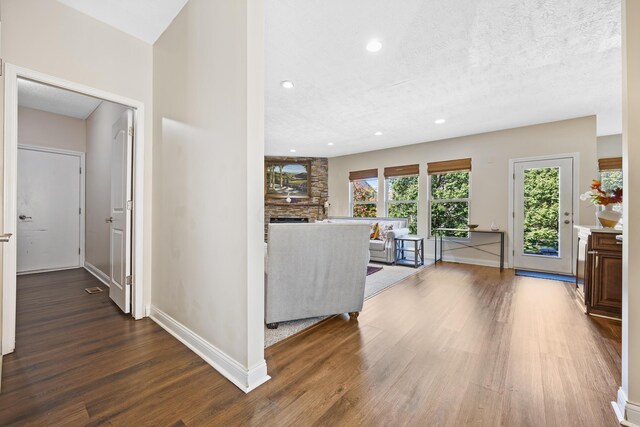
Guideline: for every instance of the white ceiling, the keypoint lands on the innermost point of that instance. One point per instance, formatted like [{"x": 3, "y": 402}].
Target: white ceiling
[
  {"x": 483, "y": 65},
  {"x": 144, "y": 19},
  {"x": 55, "y": 100}
]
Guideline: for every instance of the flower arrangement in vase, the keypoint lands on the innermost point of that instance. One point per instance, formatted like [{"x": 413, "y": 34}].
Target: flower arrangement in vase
[{"x": 605, "y": 197}]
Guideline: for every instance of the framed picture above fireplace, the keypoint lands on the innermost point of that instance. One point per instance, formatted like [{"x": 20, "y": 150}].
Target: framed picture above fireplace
[{"x": 287, "y": 178}]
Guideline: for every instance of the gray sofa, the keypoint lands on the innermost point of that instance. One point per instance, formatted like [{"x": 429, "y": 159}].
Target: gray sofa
[
  {"x": 315, "y": 270},
  {"x": 380, "y": 250}
]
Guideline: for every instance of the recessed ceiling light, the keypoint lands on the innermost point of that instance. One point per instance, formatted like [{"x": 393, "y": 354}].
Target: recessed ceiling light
[
  {"x": 293, "y": 150},
  {"x": 330, "y": 144},
  {"x": 378, "y": 133},
  {"x": 287, "y": 84},
  {"x": 439, "y": 121},
  {"x": 374, "y": 46}
]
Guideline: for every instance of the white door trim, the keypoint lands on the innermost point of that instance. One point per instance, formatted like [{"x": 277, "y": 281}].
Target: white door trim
[
  {"x": 576, "y": 196},
  {"x": 81, "y": 155},
  {"x": 12, "y": 73}
]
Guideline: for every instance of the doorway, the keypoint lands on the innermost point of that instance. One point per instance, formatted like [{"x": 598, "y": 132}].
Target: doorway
[
  {"x": 131, "y": 184},
  {"x": 543, "y": 214},
  {"x": 50, "y": 234}
]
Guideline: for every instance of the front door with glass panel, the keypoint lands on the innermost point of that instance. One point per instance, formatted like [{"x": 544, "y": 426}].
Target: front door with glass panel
[{"x": 543, "y": 215}]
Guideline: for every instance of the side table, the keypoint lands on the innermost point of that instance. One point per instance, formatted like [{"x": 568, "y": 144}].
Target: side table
[{"x": 403, "y": 246}]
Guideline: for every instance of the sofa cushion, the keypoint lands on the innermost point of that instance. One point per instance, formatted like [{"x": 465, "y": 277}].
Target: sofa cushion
[
  {"x": 395, "y": 224},
  {"x": 384, "y": 228},
  {"x": 376, "y": 245}
]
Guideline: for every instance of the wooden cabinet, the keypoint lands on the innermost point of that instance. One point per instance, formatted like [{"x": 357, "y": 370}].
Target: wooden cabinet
[{"x": 599, "y": 271}]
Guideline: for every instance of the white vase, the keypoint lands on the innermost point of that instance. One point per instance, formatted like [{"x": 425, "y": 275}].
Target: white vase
[{"x": 607, "y": 217}]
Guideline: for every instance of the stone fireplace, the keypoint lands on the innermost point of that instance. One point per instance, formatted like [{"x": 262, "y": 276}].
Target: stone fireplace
[{"x": 301, "y": 210}]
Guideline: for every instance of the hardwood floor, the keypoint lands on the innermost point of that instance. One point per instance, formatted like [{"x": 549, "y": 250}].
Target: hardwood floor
[{"x": 452, "y": 345}]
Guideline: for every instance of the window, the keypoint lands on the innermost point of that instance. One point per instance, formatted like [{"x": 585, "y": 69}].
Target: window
[
  {"x": 611, "y": 178},
  {"x": 364, "y": 193},
  {"x": 611, "y": 175},
  {"x": 401, "y": 187},
  {"x": 449, "y": 196}
]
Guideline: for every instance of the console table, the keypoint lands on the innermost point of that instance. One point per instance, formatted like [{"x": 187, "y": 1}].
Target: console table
[{"x": 440, "y": 234}]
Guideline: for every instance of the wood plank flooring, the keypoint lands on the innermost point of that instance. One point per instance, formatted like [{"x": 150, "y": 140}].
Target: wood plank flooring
[{"x": 452, "y": 345}]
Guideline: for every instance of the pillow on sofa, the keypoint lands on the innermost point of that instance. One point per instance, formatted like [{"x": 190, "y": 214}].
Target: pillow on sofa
[
  {"x": 375, "y": 231},
  {"x": 384, "y": 229}
]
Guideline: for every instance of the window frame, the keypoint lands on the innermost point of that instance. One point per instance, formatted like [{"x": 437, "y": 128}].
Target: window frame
[
  {"x": 353, "y": 203},
  {"x": 387, "y": 202},
  {"x": 619, "y": 207},
  {"x": 431, "y": 200}
]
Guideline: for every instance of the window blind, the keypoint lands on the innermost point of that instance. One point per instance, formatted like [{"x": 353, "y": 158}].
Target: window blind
[
  {"x": 365, "y": 174},
  {"x": 401, "y": 171},
  {"x": 612, "y": 163},
  {"x": 459, "y": 165}
]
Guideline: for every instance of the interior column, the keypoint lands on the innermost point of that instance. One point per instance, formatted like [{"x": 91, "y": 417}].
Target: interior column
[{"x": 628, "y": 400}]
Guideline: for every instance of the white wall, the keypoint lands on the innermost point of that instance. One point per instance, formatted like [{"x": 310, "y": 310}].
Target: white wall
[
  {"x": 609, "y": 146},
  {"x": 629, "y": 395},
  {"x": 98, "y": 183},
  {"x": 490, "y": 153},
  {"x": 1, "y": 210},
  {"x": 51, "y": 38},
  {"x": 49, "y": 130},
  {"x": 208, "y": 181}
]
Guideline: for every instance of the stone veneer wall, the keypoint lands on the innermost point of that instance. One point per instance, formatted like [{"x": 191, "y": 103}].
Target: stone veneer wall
[{"x": 312, "y": 207}]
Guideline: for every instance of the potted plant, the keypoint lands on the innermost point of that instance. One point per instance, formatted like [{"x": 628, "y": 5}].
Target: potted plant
[{"x": 607, "y": 198}]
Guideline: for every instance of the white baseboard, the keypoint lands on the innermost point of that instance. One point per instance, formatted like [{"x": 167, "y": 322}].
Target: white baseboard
[
  {"x": 97, "y": 273},
  {"x": 47, "y": 270},
  {"x": 633, "y": 414},
  {"x": 628, "y": 413},
  {"x": 245, "y": 379}
]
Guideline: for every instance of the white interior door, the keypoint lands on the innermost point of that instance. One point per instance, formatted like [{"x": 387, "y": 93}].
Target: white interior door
[
  {"x": 543, "y": 215},
  {"x": 48, "y": 229},
  {"x": 120, "y": 215}
]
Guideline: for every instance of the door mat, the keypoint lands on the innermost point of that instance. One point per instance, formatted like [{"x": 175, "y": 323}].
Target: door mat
[
  {"x": 372, "y": 269},
  {"x": 94, "y": 290},
  {"x": 548, "y": 276}
]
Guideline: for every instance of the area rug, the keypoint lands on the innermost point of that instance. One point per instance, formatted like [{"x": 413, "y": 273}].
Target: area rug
[
  {"x": 372, "y": 269},
  {"x": 383, "y": 279}
]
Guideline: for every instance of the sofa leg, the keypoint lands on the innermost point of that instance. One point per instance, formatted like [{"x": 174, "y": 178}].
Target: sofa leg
[
  {"x": 272, "y": 325},
  {"x": 354, "y": 315}
]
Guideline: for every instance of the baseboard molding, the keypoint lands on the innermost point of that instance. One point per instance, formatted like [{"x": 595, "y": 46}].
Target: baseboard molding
[
  {"x": 47, "y": 270},
  {"x": 97, "y": 273},
  {"x": 245, "y": 379},
  {"x": 633, "y": 414},
  {"x": 628, "y": 414}
]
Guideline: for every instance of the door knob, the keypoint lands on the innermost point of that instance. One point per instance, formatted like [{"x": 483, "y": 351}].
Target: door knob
[
  {"x": 24, "y": 217},
  {"x": 566, "y": 221},
  {"x": 567, "y": 214},
  {"x": 109, "y": 220}
]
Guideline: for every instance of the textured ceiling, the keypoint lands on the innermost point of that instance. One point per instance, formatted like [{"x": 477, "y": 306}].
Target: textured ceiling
[
  {"x": 144, "y": 19},
  {"x": 483, "y": 65},
  {"x": 55, "y": 100}
]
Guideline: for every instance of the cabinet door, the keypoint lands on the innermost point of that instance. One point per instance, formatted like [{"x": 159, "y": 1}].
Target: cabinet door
[{"x": 606, "y": 292}]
